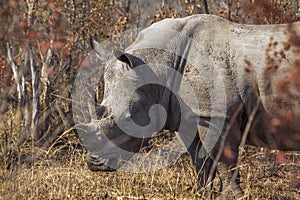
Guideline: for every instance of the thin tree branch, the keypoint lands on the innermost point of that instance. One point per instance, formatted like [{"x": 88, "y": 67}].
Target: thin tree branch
[
  {"x": 245, "y": 135},
  {"x": 35, "y": 74},
  {"x": 15, "y": 72},
  {"x": 205, "y": 7}
]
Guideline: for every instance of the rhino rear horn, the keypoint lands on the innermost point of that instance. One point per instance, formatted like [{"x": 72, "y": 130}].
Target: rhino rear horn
[
  {"x": 129, "y": 59},
  {"x": 101, "y": 50}
]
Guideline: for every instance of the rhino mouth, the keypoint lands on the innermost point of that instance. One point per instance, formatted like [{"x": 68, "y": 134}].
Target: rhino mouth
[{"x": 96, "y": 163}]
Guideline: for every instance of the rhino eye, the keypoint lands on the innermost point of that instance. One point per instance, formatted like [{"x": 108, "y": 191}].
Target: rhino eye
[{"x": 101, "y": 111}]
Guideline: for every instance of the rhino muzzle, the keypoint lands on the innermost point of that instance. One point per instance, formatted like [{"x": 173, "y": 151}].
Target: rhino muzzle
[{"x": 96, "y": 163}]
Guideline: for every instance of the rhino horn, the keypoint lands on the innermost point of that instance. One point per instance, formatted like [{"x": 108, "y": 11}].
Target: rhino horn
[
  {"x": 101, "y": 49},
  {"x": 129, "y": 59}
]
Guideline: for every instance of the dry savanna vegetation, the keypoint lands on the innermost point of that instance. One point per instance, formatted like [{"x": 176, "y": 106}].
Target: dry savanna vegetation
[{"x": 42, "y": 46}]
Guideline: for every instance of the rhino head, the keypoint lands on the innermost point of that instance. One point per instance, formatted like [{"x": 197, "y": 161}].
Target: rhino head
[{"x": 128, "y": 115}]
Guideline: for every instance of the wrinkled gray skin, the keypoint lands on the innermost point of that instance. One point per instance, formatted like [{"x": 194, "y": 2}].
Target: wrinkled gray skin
[{"x": 228, "y": 45}]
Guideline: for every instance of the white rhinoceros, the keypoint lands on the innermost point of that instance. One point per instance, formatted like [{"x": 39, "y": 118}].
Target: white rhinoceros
[{"x": 208, "y": 79}]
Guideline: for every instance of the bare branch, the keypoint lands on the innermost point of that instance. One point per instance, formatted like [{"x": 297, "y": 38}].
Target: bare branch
[
  {"x": 62, "y": 115},
  {"x": 245, "y": 135},
  {"x": 15, "y": 72},
  {"x": 30, "y": 6},
  {"x": 35, "y": 98},
  {"x": 205, "y": 7}
]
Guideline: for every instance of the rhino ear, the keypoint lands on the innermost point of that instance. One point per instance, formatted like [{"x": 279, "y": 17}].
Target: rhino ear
[
  {"x": 123, "y": 57},
  {"x": 129, "y": 59}
]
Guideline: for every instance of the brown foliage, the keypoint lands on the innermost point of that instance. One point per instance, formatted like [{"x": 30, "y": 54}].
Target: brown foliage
[
  {"x": 268, "y": 12},
  {"x": 286, "y": 80}
]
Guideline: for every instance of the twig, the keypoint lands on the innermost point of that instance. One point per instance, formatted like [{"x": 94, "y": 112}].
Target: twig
[
  {"x": 30, "y": 6},
  {"x": 62, "y": 115},
  {"x": 205, "y": 7},
  {"x": 245, "y": 135}
]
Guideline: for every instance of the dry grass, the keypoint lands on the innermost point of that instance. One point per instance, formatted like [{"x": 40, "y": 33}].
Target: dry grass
[
  {"x": 270, "y": 175},
  {"x": 63, "y": 174}
]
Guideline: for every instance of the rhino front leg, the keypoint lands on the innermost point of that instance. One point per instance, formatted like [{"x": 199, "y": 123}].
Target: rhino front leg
[
  {"x": 230, "y": 187},
  {"x": 202, "y": 164}
]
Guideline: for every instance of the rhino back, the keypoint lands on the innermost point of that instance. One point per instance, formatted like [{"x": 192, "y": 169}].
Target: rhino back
[{"x": 222, "y": 45}]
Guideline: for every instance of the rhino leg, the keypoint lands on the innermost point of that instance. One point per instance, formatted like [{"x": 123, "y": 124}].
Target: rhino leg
[
  {"x": 230, "y": 187},
  {"x": 202, "y": 165},
  {"x": 222, "y": 158},
  {"x": 228, "y": 171}
]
